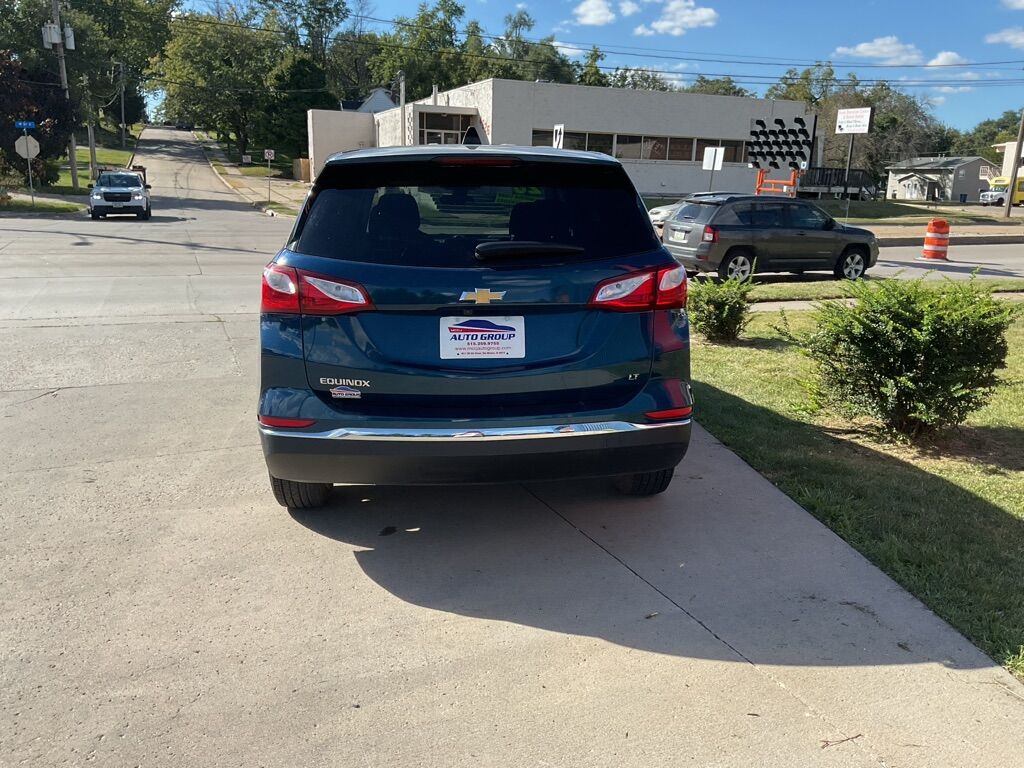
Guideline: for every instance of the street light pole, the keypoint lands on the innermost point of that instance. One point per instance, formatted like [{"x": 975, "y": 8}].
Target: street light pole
[
  {"x": 72, "y": 146},
  {"x": 1012, "y": 189}
]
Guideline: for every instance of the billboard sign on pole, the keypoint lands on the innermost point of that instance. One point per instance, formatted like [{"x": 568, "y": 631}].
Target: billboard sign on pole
[{"x": 853, "y": 120}]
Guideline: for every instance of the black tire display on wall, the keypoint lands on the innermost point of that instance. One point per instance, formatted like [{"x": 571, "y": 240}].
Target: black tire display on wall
[
  {"x": 294, "y": 495},
  {"x": 737, "y": 263},
  {"x": 644, "y": 483},
  {"x": 851, "y": 265}
]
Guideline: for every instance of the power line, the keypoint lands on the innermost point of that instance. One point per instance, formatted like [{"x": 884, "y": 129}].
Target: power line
[{"x": 739, "y": 79}]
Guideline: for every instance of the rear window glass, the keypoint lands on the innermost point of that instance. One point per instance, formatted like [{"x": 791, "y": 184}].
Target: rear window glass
[
  {"x": 738, "y": 215},
  {"x": 699, "y": 212},
  {"x": 425, "y": 214}
]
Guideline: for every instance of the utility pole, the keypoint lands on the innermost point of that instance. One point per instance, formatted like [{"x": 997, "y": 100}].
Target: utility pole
[
  {"x": 72, "y": 146},
  {"x": 121, "y": 65},
  {"x": 1011, "y": 191},
  {"x": 401, "y": 101},
  {"x": 90, "y": 118}
]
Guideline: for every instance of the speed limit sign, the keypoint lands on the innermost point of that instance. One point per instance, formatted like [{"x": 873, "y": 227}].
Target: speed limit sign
[{"x": 268, "y": 154}]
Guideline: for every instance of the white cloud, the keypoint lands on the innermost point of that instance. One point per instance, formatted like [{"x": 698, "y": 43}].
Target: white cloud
[
  {"x": 947, "y": 58},
  {"x": 677, "y": 16},
  {"x": 1011, "y": 36},
  {"x": 886, "y": 50},
  {"x": 521, "y": 6},
  {"x": 937, "y": 101},
  {"x": 569, "y": 49},
  {"x": 1014, "y": 5},
  {"x": 953, "y": 88},
  {"x": 628, "y": 8},
  {"x": 594, "y": 13}
]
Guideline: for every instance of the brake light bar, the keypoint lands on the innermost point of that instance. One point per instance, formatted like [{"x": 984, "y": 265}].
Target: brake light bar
[
  {"x": 482, "y": 160},
  {"x": 287, "y": 290},
  {"x": 642, "y": 291}
]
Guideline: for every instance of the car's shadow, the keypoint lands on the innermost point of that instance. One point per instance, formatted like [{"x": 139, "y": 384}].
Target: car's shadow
[{"x": 730, "y": 567}]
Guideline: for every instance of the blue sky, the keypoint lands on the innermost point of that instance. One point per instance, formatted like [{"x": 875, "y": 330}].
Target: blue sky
[{"x": 908, "y": 38}]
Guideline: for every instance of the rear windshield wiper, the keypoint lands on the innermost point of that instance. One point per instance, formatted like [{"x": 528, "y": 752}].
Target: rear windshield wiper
[{"x": 514, "y": 249}]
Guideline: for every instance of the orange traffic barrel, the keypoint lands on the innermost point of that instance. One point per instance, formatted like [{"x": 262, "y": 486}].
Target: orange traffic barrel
[{"x": 936, "y": 241}]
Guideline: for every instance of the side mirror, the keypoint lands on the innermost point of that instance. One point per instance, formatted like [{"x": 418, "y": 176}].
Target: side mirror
[
  {"x": 830, "y": 224},
  {"x": 90, "y": 186},
  {"x": 148, "y": 186}
]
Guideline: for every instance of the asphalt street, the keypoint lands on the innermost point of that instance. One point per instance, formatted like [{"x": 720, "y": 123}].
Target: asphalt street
[{"x": 159, "y": 608}]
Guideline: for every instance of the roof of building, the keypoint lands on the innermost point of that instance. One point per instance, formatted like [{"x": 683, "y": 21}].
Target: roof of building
[
  {"x": 467, "y": 150},
  {"x": 933, "y": 163}
]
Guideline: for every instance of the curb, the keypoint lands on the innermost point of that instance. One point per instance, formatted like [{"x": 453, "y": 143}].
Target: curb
[{"x": 889, "y": 242}]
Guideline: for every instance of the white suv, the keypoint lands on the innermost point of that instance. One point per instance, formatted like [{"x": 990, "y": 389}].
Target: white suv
[{"x": 120, "y": 192}]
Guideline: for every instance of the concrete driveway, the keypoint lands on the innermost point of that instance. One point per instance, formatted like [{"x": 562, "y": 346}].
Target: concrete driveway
[{"x": 161, "y": 610}]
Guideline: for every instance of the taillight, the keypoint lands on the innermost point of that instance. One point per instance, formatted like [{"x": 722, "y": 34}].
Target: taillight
[
  {"x": 663, "y": 289},
  {"x": 280, "y": 290},
  {"x": 294, "y": 291},
  {"x": 629, "y": 293},
  {"x": 320, "y": 295},
  {"x": 683, "y": 412},
  {"x": 276, "y": 421},
  {"x": 671, "y": 288},
  {"x": 710, "y": 235}
]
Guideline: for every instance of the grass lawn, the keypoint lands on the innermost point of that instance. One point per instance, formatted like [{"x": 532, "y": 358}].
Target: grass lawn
[
  {"x": 945, "y": 520},
  {"x": 18, "y": 205},
  {"x": 773, "y": 289},
  {"x": 287, "y": 210},
  {"x": 874, "y": 211},
  {"x": 280, "y": 166}
]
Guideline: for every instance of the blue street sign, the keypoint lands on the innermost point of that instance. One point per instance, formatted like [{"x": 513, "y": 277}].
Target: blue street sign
[{"x": 24, "y": 125}]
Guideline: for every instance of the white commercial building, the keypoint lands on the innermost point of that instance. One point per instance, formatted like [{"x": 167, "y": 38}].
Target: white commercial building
[{"x": 659, "y": 137}]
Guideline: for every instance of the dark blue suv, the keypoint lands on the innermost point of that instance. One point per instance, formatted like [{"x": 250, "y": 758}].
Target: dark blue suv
[{"x": 472, "y": 314}]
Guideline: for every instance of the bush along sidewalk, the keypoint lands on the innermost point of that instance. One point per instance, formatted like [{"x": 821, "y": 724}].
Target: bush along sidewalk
[
  {"x": 913, "y": 359},
  {"x": 720, "y": 309}
]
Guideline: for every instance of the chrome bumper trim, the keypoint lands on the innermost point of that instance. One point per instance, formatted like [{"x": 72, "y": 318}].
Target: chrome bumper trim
[{"x": 476, "y": 435}]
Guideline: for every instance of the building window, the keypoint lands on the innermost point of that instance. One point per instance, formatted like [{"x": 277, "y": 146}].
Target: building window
[
  {"x": 599, "y": 142},
  {"x": 655, "y": 148},
  {"x": 628, "y": 147},
  {"x": 441, "y": 128},
  {"x": 680, "y": 149},
  {"x": 574, "y": 141},
  {"x": 543, "y": 138},
  {"x": 733, "y": 149}
]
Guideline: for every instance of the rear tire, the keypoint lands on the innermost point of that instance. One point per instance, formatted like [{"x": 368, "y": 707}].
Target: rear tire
[
  {"x": 738, "y": 263},
  {"x": 645, "y": 483},
  {"x": 295, "y": 495},
  {"x": 851, "y": 265}
]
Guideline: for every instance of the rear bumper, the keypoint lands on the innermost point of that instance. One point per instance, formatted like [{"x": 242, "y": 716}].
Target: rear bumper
[{"x": 446, "y": 456}]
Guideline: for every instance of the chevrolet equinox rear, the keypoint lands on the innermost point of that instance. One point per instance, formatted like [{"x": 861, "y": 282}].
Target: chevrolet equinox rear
[{"x": 448, "y": 315}]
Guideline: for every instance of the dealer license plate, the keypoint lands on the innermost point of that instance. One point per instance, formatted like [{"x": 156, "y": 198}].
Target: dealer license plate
[{"x": 468, "y": 338}]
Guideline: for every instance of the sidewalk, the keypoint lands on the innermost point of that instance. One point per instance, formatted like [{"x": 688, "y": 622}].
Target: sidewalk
[{"x": 285, "y": 196}]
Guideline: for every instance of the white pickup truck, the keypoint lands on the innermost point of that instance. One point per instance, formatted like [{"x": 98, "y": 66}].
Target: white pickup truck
[{"x": 120, "y": 192}]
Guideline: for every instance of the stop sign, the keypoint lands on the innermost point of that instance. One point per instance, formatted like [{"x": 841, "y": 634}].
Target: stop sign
[{"x": 26, "y": 146}]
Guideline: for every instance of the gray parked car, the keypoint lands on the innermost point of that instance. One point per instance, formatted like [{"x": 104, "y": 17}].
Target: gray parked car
[
  {"x": 120, "y": 192},
  {"x": 731, "y": 233}
]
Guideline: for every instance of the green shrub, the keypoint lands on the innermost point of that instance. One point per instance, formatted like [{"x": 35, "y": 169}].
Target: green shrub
[
  {"x": 720, "y": 309},
  {"x": 915, "y": 359}
]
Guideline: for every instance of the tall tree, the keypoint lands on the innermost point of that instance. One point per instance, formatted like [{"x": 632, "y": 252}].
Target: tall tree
[
  {"x": 717, "y": 86},
  {"x": 639, "y": 79},
  {"x": 426, "y": 48},
  {"x": 589, "y": 72},
  {"x": 297, "y": 83},
  {"x": 311, "y": 22},
  {"x": 216, "y": 75}
]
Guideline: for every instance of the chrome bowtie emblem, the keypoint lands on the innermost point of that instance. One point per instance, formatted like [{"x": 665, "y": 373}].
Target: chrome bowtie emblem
[{"x": 482, "y": 296}]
